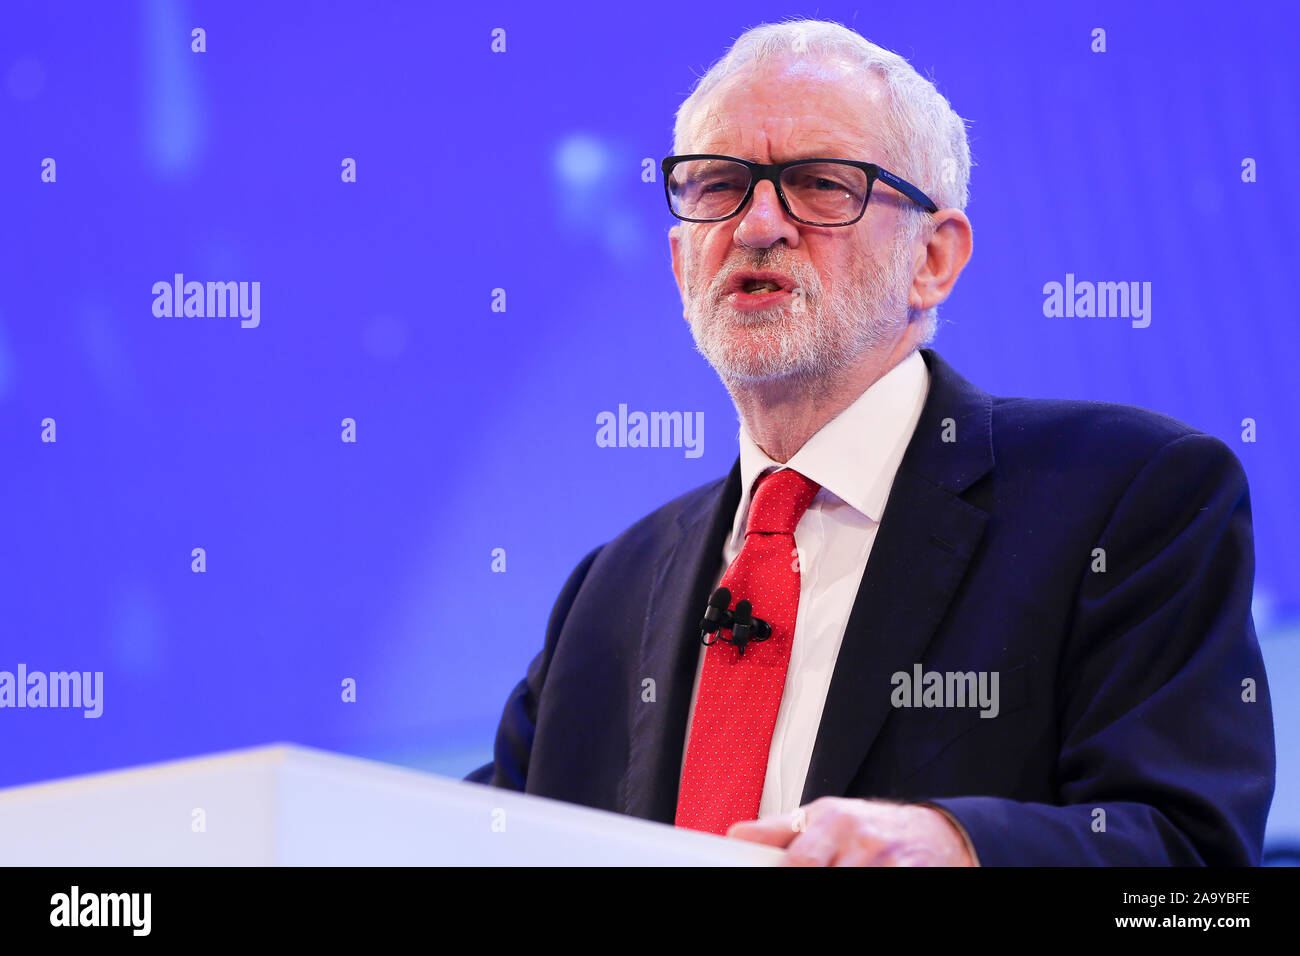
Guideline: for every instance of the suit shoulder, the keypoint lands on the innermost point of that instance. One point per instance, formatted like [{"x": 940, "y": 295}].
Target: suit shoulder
[{"x": 1076, "y": 431}]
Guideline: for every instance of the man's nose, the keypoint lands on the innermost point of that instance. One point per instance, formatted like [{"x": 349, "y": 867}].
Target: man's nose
[{"x": 765, "y": 222}]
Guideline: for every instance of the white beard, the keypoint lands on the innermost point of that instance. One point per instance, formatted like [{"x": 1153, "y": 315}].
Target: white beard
[{"x": 812, "y": 336}]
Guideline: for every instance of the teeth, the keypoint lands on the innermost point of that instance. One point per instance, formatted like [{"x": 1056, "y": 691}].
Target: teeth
[{"x": 763, "y": 286}]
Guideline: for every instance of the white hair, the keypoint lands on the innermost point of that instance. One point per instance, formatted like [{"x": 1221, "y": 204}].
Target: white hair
[{"x": 925, "y": 138}]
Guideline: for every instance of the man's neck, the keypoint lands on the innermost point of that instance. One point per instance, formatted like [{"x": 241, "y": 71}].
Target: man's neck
[{"x": 781, "y": 416}]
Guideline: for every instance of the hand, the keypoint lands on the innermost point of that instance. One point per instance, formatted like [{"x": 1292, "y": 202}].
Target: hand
[{"x": 836, "y": 831}]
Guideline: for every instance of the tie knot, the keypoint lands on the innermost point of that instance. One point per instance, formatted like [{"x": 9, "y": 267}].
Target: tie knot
[{"x": 780, "y": 499}]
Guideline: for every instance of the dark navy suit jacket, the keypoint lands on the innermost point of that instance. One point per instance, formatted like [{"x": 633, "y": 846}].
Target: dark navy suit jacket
[{"x": 1124, "y": 690}]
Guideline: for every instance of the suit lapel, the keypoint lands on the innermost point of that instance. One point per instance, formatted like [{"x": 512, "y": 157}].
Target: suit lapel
[
  {"x": 669, "y": 653},
  {"x": 926, "y": 538}
]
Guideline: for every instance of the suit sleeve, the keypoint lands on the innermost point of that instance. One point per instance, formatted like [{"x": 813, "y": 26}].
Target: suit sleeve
[
  {"x": 514, "y": 742},
  {"x": 1166, "y": 731}
]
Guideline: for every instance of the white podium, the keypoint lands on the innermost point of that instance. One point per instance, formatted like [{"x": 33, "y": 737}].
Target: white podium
[{"x": 291, "y": 806}]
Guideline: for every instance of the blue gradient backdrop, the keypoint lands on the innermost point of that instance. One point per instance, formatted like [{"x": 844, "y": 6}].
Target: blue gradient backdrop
[{"x": 476, "y": 429}]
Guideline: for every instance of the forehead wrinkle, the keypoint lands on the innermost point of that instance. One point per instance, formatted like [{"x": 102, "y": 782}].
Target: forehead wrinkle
[
  {"x": 802, "y": 142},
  {"x": 842, "y": 123}
]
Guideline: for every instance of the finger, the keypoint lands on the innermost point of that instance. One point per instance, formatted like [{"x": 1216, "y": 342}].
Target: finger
[
  {"x": 855, "y": 856},
  {"x": 863, "y": 848},
  {"x": 917, "y": 856},
  {"x": 815, "y": 847},
  {"x": 903, "y": 853},
  {"x": 774, "y": 831}
]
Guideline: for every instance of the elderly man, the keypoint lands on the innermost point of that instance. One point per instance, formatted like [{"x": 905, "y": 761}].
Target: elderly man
[{"x": 939, "y": 627}]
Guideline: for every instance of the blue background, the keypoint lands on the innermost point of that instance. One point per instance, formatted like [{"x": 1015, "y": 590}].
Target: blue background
[{"x": 476, "y": 429}]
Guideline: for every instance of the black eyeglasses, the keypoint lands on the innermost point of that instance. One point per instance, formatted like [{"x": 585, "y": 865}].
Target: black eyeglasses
[{"x": 704, "y": 187}]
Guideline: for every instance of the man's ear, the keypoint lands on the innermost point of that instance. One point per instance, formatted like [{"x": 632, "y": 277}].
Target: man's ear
[
  {"x": 675, "y": 245},
  {"x": 942, "y": 259}
]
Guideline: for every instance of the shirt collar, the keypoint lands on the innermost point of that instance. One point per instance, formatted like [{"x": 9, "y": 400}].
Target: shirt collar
[{"x": 856, "y": 454}]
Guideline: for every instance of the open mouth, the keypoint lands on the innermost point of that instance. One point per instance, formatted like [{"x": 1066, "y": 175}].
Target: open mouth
[{"x": 759, "y": 285}]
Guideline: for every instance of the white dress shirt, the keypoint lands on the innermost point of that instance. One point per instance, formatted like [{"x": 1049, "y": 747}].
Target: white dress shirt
[{"x": 854, "y": 458}]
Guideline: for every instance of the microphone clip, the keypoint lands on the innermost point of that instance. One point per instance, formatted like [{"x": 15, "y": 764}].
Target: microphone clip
[{"x": 744, "y": 627}]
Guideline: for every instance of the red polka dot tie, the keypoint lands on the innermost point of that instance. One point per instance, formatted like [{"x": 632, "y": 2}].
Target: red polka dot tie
[{"x": 739, "y": 695}]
